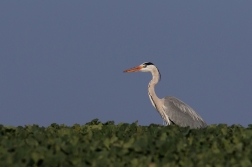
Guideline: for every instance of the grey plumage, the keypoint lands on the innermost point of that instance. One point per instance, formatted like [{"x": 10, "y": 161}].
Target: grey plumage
[{"x": 181, "y": 114}]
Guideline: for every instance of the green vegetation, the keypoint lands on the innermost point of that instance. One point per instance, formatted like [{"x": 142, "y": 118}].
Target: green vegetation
[{"x": 107, "y": 144}]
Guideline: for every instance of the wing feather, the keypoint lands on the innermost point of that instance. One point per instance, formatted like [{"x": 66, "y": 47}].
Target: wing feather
[{"x": 181, "y": 114}]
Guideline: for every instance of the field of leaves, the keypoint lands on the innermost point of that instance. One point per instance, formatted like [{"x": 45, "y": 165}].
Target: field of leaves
[{"x": 107, "y": 144}]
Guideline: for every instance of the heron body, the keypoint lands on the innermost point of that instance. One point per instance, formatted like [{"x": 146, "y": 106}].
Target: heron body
[{"x": 171, "y": 109}]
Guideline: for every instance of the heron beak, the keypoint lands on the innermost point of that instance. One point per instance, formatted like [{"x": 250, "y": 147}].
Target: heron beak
[{"x": 134, "y": 69}]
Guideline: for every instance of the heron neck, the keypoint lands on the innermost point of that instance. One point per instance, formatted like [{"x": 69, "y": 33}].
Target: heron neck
[{"x": 151, "y": 90}]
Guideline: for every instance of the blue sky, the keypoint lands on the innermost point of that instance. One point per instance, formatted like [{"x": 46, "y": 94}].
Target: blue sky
[{"x": 62, "y": 61}]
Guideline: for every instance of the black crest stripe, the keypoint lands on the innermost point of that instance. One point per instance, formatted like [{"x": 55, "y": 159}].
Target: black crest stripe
[{"x": 148, "y": 63}]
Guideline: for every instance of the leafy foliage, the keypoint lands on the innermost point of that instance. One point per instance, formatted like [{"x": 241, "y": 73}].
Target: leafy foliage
[{"x": 107, "y": 144}]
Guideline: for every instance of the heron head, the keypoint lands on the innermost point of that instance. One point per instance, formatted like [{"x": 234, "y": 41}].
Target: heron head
[{"x": 144, "y": 67}]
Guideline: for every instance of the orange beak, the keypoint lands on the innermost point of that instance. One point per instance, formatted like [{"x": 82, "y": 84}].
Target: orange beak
[{"x": 134, "y": 69}]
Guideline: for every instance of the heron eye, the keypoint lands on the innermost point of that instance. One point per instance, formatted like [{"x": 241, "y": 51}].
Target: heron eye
[{"x": 144, "y": 65}]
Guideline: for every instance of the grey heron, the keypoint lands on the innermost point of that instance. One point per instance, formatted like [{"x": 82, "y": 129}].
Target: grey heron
[{"x": 171, "y": 109}]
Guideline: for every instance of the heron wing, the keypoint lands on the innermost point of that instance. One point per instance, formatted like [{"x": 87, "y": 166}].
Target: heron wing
[{"x": 181, "y": 114}]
